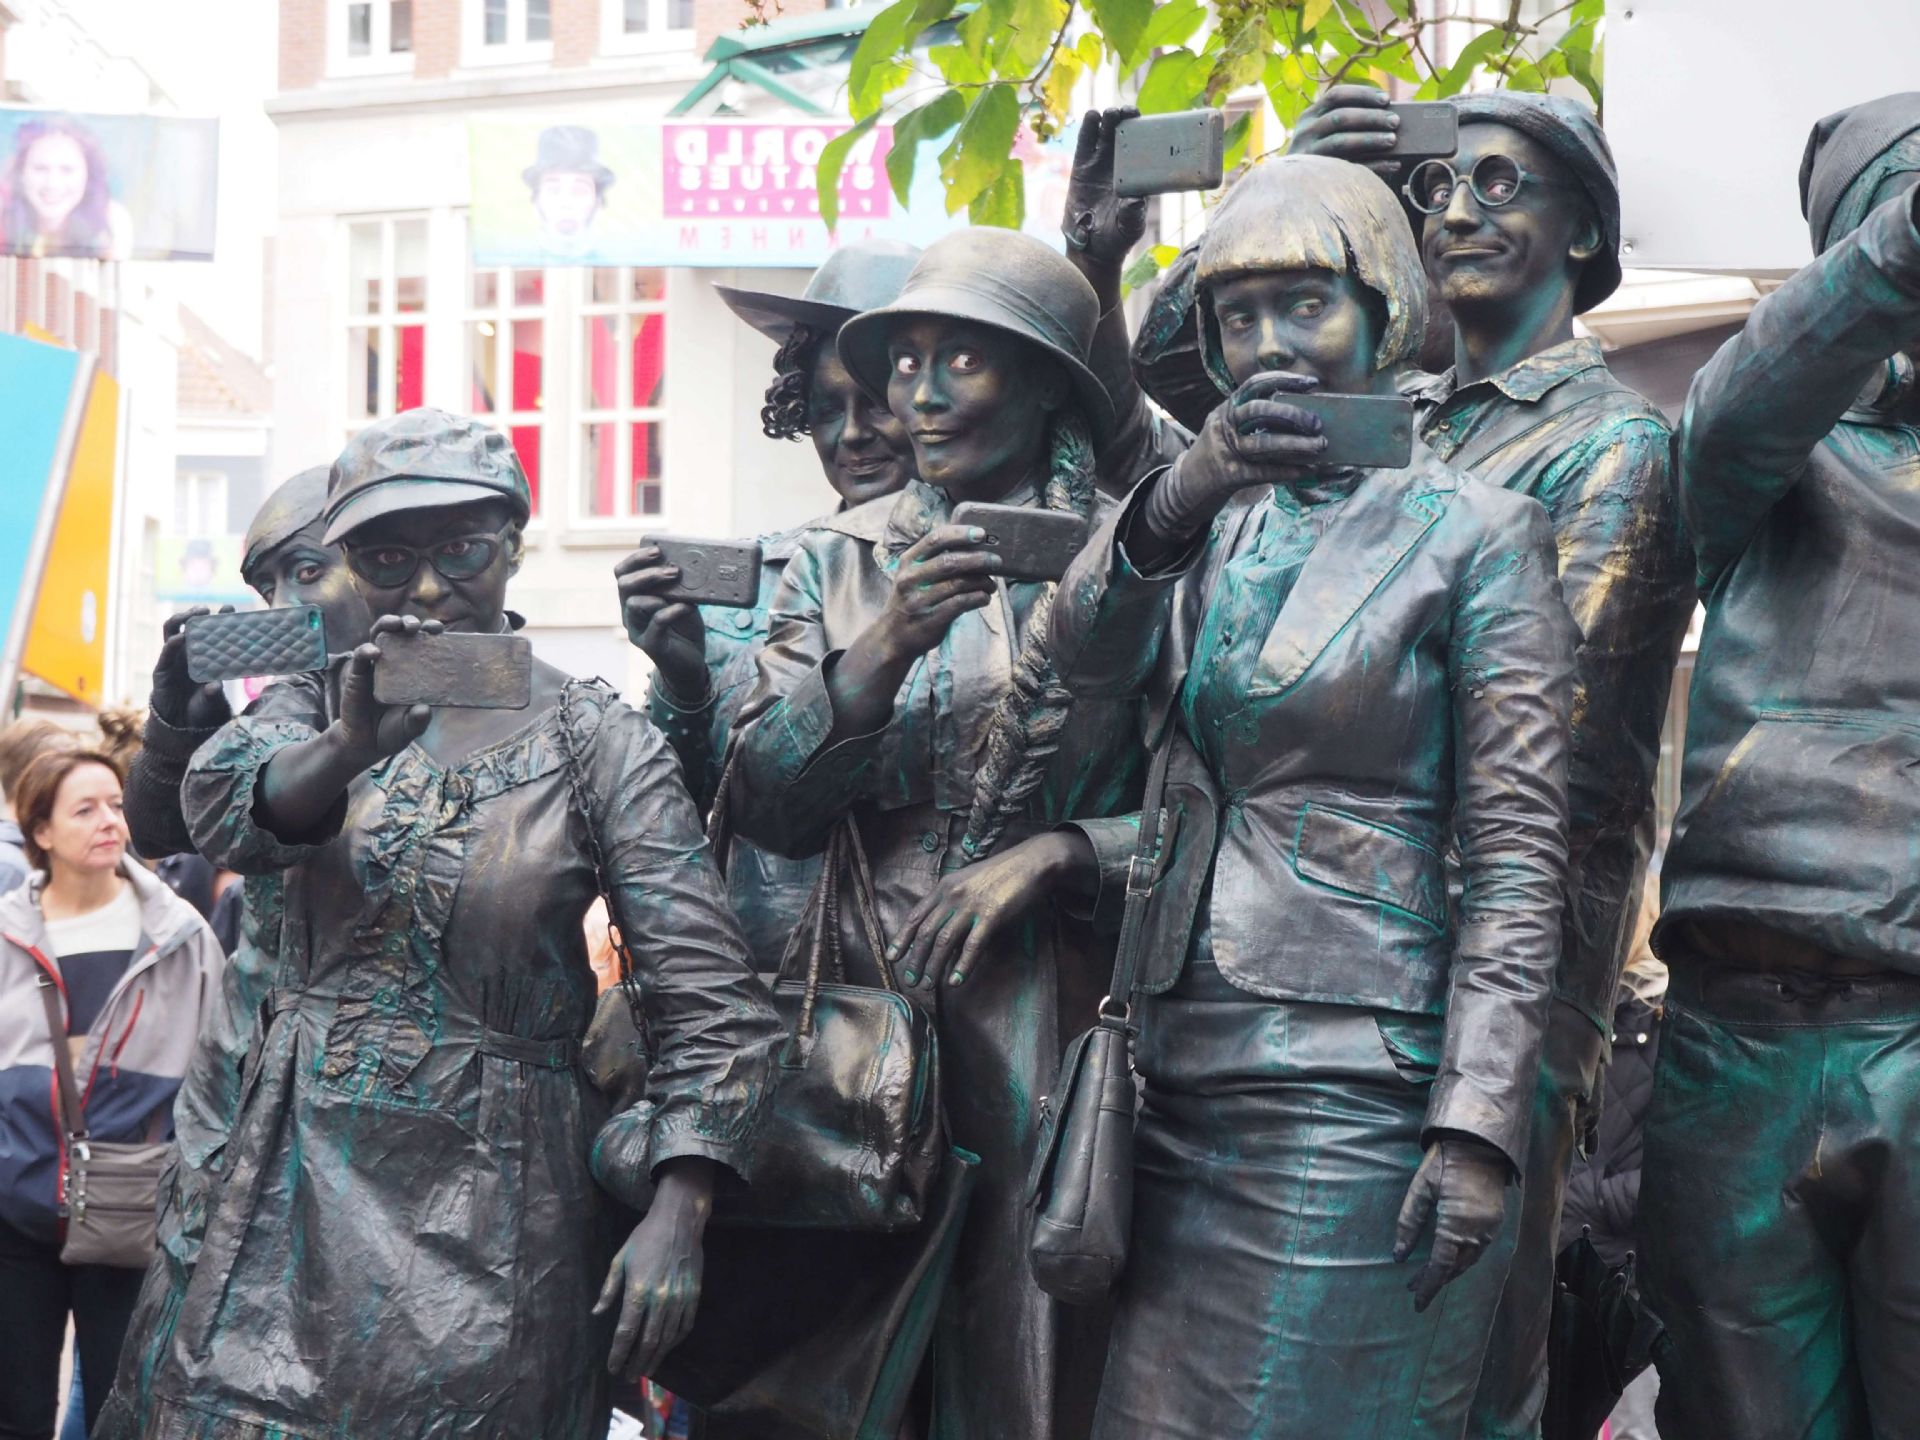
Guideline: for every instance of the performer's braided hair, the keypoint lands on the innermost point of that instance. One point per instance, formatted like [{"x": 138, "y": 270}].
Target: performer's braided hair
[
  {"x": 784, "y": 416},
  {"x": 1026, "y": 726}
]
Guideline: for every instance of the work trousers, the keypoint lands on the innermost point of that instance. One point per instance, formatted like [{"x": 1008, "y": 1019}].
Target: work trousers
[
  {"x": 1780, "y": 1205},
  {"x": 1261, "y": 1299},
  {"x": 37, "y": 1294},
  {"x": 1512, "y": 1393}
]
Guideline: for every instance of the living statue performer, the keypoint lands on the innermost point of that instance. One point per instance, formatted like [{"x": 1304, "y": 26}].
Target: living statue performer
[
  {"x": 908, "y": 687},
  {"x": 704, "y": 656},
  {"x": 1359, "y": 669},
  {"x": 286, "y": 560},
  {"x": 1520, "y": 232},
  {"x": 408, "y": 1237},
  {"x": 1780, "y": 1194}
]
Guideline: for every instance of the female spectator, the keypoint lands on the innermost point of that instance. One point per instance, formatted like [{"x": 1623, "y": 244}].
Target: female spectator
[
  {"x": 905, "y": 687},
  {"x": 1357, "y": 670},
  {"x": 135, "y": 973},
  {"x": 407, "y": 1224},
  {"x": 704, "y": 656},
  {"x": 21, "y": 743},
  {"x": 55, "y": 198}
]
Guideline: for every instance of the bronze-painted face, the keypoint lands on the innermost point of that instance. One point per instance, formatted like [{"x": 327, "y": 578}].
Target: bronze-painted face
[
  {"x": 976, "y": 402},
  {"x": 1312, "y": 322},
  {"x": 1529, "y": 249},
  {"x": 863, "y": 446},
  {"x": 301, "y": 570},
  {"x": 449, "y": 564}
]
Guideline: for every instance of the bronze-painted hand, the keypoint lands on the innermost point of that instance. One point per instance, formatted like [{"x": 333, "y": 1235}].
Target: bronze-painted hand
[
  {"x": 174, "y": 697},
  {"x": 370, "y": 731},
  {"x": 1461, "y": 1186},
  {"x": 671, "y": 632},
  {"x": 1098, "y": 224},
  {"x": 1351, "y": 122},
  {"x": 951, "y": 931},
  {"x": 655, "y": 1279}
]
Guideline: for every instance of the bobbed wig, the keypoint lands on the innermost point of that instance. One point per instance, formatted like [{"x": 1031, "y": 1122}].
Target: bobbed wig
[{"x": 1312, "y": 212}]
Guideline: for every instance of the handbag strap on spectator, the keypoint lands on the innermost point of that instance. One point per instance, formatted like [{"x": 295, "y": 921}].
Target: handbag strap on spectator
[{"x": 73, "y": 1118}]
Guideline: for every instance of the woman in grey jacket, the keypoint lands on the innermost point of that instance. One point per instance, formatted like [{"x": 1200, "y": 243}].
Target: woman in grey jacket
[{"x": 1361, "y": 670}]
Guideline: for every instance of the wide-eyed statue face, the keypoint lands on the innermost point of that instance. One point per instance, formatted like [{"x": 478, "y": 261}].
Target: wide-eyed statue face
[
  {"x": 976, "y": 403},
  {"x": 304, "y": 570},
  {"x": 449, "y": 563},
  {"x": 1312, "y": 322},
  {"x": 863, "y": 446},
  {"x": 1527, "y": 236}
]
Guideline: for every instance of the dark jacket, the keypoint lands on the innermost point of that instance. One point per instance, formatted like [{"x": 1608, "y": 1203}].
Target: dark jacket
[
  {"x": 1559, "y": 427},
  {"x": 1799, "y": 809},
  {"x": 1417, "y": 684},
  {"x": 1603, "y": 1191}
]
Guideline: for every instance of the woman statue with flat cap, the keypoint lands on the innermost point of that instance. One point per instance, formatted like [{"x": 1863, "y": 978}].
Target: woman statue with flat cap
[
  {"x": 704, "y": 655},
  {"x": 409, "y": 1239},
  {"x": 1358, "y": 671},
  {"x": 905, "y": 686}
]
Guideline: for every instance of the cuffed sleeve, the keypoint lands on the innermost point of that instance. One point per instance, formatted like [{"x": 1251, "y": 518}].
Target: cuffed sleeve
[
  {"x": 222, "y": 781},
  {"x": 154, "y": 821},
  {"x": 1114, "y": 840},
  {"x": 1511, "y": 665}
]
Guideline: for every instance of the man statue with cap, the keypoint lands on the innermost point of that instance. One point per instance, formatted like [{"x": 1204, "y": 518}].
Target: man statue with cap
[{"x": 1780, "y": 1196}]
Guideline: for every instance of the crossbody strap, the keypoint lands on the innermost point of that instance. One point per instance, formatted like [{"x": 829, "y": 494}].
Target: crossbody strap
[
  {"x": 1140, "y": 881},
  {"x": 72, "y": 1117}
]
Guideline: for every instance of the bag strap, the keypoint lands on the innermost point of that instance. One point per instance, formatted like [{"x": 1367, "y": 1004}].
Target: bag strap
[
  {"x": 72, "y": 1117},
  {"x": 1116, "y": 1007},
  {"x": 720, "y": 817},
  {"x": 819, "y": 928}
]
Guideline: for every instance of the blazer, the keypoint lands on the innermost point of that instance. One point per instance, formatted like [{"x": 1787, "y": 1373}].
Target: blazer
[{"x": 1412, "y": 694}]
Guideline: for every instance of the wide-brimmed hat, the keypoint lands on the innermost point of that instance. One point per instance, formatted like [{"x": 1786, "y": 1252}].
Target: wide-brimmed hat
[
  {"x": 291, "y": 508},
  {"x": 418, "y": 460},
  {"x": 572, "y": 148},
  {"x": 1572, "y": 132},
  {"x": 1842, "y": 148},
  {"x": 1003, "y": 280},
  {"x": 861, "y": 276}
]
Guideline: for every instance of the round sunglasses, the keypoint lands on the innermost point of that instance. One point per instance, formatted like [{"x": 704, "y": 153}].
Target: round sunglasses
[
  {"x": 1494, "y": 180},
  {"x": 388, "y": 565}
]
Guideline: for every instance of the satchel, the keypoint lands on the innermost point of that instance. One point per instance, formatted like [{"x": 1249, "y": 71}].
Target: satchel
[
  {"x": 110, "y": 1190},
  {"x": 1080, "y": 1190}
]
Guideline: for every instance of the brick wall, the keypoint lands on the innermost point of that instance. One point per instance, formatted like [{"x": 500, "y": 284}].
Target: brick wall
[
  {"x": 303, "y": 43},
  {"x": 576, "y": 31},
  {"x": 436, "y": 38},
  {"x": 713, "y": 18}
]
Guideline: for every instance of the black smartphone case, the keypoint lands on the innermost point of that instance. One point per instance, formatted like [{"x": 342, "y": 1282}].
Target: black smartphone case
[
  {"x": 251, "y": 643},
  {"x": 1155, "y": 154},
  {"x": 1033, "y": 544},
  {"x": 1429, "y": 130},
  {"x": 460, "y": 671},
  {"x": 712, "y": 572}
]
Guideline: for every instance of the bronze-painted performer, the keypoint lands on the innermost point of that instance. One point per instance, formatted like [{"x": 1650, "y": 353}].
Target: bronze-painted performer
[
  {"x": 1520, "y": 232},
  {"x": 906, "y": 686},
  {"x": 1780, "y": 1196},
  {"x": 408, "y": 1239},
  {"x": 1360, "y": 669},
  {"x": 704, "y": 655}
]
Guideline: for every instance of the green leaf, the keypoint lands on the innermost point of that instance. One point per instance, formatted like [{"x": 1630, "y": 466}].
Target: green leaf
[
  {"x": 1174, "y": 83},
  {"x": 1004, "y": 202},
  {"x": 1124, "y": 23},
  {"x": 1312, "y": 13},
  {"x": 1173, "y": 24},
  {"x": 1289, "y": 88},
  {"x": 1091, "y": 49},
  {"x": 1242, "y": 60},
  {"x": 1525, "y": 76},
  {"x": 1145, "y": 266},
  {"x": 884, "y": 39},
  {"x": 1027, "y": 37},
  {"x": 1056, "y": 90},
  {"x": 1238, "y": 134},
  {"x": 977, "y": 155},
  {"x": 1580, "y": 67},
  {"x": 928, "y": 122},
  {"x": 1472, "y": 55},
  {"x": 833, "y": 158},
  {"x": 957, "y": 66},
  {"x": 977, "y": 31}
]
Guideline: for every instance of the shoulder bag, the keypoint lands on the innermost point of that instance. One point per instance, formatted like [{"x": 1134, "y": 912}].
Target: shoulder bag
[{"x": 108, "y": 1189}]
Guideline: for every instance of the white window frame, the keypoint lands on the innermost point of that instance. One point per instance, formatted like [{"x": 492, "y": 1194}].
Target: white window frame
[
  {"x": 515, "y": 50},
  {"x": 621, "y": 416},
  {"x": 501, "y": 315},
  {"x": 387, "y": 318},
  {"x": 209, "y": 489},
  {"x": 381, "y": 60},
  {"x": 614, "y": 39}
]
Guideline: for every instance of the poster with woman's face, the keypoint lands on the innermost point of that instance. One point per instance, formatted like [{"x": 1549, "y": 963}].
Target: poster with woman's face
[{"x": 107, "y": 187}]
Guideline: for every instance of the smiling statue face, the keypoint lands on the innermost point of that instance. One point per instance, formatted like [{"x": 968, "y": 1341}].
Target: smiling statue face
[
  {"x": 54, "y": 179},
  {"x": 1532, "y": 247},
  {"x": 476, "y": 603},
  {"x": 863, "y": 446},
  {"x": 1312, "y": 322},
  {"x": 976, "y": 402},
  {"x": 87, "y": 830}
]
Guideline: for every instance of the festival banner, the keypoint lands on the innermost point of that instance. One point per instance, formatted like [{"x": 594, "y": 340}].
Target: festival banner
[
  {"x": 107, "y": 187},
  {"x": 67, "y": 640},
  {"x": 38, "y": 392}
]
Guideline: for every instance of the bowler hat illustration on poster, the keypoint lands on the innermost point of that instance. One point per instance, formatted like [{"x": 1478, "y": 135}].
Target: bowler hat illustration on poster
[{"x": 568, "y": 184}]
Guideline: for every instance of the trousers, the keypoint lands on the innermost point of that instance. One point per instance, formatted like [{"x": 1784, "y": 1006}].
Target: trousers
[
  {"x": 38, "y": 1291},
  {"x": 1780, "y": 1205}
]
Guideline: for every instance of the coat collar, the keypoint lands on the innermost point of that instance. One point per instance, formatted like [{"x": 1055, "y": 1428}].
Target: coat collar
[
  {"x": 1529, "y": 380},
  {"x": 165, "y": 919}
]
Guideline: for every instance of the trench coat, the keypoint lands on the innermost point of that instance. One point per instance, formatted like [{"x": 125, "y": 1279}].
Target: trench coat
[
  {"x": 1009, "y": 1363},
  {"x": 408, "y": 1235}
]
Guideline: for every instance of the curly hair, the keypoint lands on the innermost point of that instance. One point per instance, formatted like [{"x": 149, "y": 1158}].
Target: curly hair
[{"x": 784, "y": 416}]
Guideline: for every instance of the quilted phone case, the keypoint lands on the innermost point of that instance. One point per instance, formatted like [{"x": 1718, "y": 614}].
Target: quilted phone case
[{"x": 256, "y": 642}]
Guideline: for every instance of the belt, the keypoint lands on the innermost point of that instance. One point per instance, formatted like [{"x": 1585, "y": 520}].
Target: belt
[
  {"x": 558, "y": 1053},
  {"x": 1794, "y": 997}
]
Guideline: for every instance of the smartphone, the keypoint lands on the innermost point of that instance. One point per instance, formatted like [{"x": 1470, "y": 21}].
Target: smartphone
[
  {"x": 461, "y": 671},
  {"x": 248, "y": 643},
  {"x": 1154, "y": 154},
  {"x": 1429, "y": 130},
  {"x": 1034, "y": 544},
  {"x": 712, "y": 572},
  {"x": 1368, "y": 432}
]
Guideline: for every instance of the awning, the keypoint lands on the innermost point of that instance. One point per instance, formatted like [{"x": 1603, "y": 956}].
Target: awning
[{"x": 801, "y": 61}]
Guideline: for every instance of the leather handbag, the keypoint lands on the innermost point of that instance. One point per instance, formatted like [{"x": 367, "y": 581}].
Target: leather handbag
[
  {"x": 1080, "y": 1190},
  {"x": 109, "y": 1189}
]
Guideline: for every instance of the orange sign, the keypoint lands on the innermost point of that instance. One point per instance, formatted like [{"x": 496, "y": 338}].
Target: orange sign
[{"x": 67, "y": 642}]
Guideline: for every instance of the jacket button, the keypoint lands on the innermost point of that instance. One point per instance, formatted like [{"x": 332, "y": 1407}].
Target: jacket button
[
  {"x": 1641, "y": 1038},
  {"x": 930, "y": 842}
]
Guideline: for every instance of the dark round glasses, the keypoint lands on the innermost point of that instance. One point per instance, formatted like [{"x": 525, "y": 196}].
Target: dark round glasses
[
  {"x": 1495, "y": 180},
  {"x": 389, "y": 566}
]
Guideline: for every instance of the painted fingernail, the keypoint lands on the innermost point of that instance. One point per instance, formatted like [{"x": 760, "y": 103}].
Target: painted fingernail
[
  {"x": 974, "y": 532},
  {"x": 1393, "y": 120},
  {"x": 911, "y": 978},
  {"x": 956, "y": 977}
]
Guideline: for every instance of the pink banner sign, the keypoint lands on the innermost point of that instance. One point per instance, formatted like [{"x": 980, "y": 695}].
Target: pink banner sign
[{"x": 729, "y": 170}]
